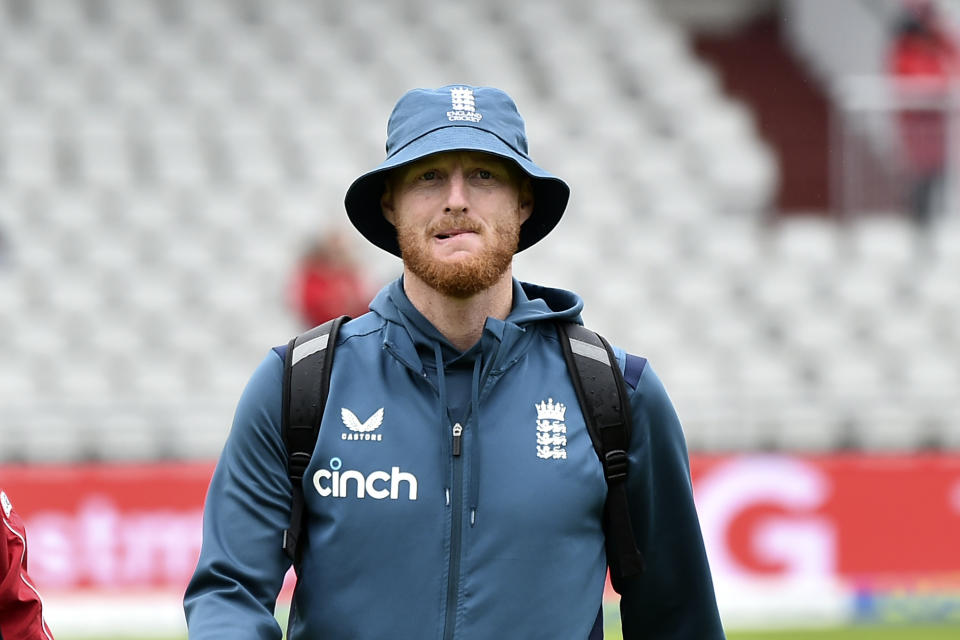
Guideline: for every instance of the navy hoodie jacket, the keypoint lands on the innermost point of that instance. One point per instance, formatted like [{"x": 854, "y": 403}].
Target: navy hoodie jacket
[{"x": 434, "y": 510}]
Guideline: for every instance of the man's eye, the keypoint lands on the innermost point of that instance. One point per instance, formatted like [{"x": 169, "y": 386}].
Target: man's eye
[
  {"x": 429, "y": 175},
  {"x": 483, "y": 174}
]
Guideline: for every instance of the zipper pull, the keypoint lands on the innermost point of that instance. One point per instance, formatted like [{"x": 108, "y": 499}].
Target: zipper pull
[{"x": 457, "y": 432}]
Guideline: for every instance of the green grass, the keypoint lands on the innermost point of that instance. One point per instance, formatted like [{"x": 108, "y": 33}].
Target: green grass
[
  {"x": 854, "y": 633},
  {"x": 847, "y": 633}
]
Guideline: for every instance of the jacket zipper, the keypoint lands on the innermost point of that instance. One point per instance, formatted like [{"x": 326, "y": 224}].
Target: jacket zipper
[
  {"x": 455, "y": 502},
  {"x": 457, "y": 432},
  {"x": 456, "y": 506}
]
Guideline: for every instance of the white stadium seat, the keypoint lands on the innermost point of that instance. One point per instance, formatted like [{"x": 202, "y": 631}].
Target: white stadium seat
[{"x": 160, "y": 177}]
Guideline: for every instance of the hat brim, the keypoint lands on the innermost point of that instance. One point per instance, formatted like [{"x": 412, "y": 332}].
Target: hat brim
[{"x": 550, "y": 194}]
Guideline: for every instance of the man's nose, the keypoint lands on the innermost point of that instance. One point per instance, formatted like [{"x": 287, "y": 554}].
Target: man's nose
[{"x": 456, "y": 193}]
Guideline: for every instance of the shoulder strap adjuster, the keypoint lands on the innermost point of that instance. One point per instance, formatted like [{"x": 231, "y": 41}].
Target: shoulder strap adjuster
[
  {"x": 615, "y": 465},
  {"x": 297, "y": 465}
]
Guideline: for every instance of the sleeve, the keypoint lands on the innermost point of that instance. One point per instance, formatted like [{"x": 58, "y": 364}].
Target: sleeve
[
  {"x": 8, "y": 571},
  {"x": 21, "y": 607},
  {"x": 233, "y": 591},
  {"x": 674, "y": 598}
]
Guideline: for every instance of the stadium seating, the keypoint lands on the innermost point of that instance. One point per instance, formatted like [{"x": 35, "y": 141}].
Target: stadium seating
[{"x": 162, "y": 164}]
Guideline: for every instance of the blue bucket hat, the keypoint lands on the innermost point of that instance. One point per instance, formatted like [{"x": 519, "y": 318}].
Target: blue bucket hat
[{"x": 451, "y": 118}]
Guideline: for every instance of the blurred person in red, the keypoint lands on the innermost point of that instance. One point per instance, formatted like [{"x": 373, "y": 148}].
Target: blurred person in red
[
  {"x": 21, "y": 609},
  {"x": 327, "y": 282},
  {"x": 924, "y": 62}
]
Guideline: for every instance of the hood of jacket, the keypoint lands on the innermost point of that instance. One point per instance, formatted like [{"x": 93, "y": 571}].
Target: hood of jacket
[{"x": 413, "y": 339}]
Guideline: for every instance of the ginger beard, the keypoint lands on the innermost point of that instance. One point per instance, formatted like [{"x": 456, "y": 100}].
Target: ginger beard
[{"x": 466, "y": 276}]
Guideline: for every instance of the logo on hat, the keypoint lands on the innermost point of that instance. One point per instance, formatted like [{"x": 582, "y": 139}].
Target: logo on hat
[{"x": 464, "y": 106}]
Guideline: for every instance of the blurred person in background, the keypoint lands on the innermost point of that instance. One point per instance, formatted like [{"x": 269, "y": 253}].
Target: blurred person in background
[
  {"x": 21, "y": 608},
  {"x": 327, "y": 282},
  {"x": 924, "y": 63},
  {"x": 451, "y": 521}
]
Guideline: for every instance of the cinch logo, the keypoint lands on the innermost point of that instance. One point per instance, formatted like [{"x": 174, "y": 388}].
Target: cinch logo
[{"x": 379, "y": 485}]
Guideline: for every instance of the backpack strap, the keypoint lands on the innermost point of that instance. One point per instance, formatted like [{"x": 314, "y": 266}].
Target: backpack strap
[
  {"x": 602, "y": 394},
  {"x": 306, "y": 381}
]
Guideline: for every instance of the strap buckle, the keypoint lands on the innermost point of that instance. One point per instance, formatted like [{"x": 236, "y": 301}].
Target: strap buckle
[
  {"x": 298, "y": 465},
  {"x": 616, "y": 464}
]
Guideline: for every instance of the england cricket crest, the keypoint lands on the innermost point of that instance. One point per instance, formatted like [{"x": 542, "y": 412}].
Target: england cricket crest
[
  {"x": 551, "y": 430},
  {"x": 463, "y": 106}
]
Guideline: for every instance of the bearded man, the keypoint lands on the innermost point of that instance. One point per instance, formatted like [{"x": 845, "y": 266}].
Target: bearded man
[{"x": 430, "y": 510}]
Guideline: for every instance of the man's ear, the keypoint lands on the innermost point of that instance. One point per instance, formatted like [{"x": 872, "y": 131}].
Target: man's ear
[
  {"x": 386, "y": 204},
  {"x": 526, "y": 199}
]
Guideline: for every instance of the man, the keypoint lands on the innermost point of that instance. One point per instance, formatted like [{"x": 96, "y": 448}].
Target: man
[
  {"x": 924, "y": 61},
  {"x": 327, "y": 282},
  {"x": 449, "y": 521},
  {"x": 21, "y": 609}
]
